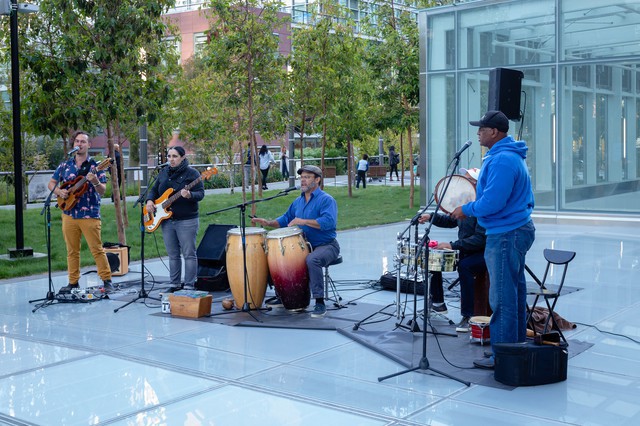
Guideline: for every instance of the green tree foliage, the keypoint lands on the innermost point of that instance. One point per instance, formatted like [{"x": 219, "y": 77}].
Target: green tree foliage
[
  {"x": 249, "y": 72},
  {"x": 97, "y": 63},
  {"x": 330, "y": 82}
]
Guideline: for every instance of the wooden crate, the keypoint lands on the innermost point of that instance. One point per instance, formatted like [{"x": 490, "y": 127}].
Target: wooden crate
[{"x": 190, "y": 307}]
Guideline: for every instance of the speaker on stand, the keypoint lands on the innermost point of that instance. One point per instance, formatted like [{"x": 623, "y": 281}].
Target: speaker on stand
[
  {"x": 211, "y": 252},
  {"x": 505, "y": 87}
]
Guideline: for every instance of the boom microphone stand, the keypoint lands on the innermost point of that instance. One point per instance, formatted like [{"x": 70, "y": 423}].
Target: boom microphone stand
[
  {"x": 142, "y": 294},
  {"x": 423, "y": 364},
  {"x": 51, "y": 295},
  {"x": 246, "y": 307}
]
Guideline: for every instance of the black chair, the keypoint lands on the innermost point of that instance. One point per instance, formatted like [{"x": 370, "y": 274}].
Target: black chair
[
  {"x": 553, "y": 257},
  {"x": 330, "y": 285}
]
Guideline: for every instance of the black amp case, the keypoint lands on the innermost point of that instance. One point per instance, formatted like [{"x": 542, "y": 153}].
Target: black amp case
[
  {"x": 212, "y": 270},
  {"x": 529, "y": 364}
]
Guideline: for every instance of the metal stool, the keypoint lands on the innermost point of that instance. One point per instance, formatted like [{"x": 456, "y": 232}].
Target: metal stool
[{"x": 330, "y": 286}]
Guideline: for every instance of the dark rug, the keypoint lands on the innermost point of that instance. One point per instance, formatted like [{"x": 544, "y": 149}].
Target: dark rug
[
  {"x": 335, "y": 318},
  {"x": 452, "y": 356}
]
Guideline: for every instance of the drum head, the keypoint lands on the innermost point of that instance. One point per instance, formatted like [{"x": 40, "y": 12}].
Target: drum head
[
  {"x": 460, "y": 192},
  {"x": 249, "y": 230},
  {"x": 284, "y": 232},
  {"x": 479, "y": 320}
]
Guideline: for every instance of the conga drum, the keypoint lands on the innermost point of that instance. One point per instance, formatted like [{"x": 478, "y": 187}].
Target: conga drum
[
  {"x": 257, "y": 270},
  {"x": 287, "y": 254}
]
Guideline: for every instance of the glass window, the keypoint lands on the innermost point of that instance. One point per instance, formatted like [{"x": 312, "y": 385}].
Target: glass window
[
  {"x": 599, "y": 29},
  {"x": 505, "y": 34}
]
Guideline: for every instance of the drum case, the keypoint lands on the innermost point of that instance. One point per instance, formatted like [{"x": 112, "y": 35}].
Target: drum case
[{"x": 529, "y": 364}]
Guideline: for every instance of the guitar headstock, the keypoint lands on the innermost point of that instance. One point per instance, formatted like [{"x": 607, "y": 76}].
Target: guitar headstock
[
  {"x": 209, "y": 172},
  {"x": 104, "y": 164}
]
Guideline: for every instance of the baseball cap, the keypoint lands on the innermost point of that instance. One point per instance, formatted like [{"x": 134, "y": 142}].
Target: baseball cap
[
  {"x": 311, "y": 169},
  {"x": 473, "y": 172},
  {"x": 494, "y": 120}
]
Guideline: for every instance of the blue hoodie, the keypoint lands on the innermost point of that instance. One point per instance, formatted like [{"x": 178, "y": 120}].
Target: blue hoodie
[{"x": 504, "y": 198}]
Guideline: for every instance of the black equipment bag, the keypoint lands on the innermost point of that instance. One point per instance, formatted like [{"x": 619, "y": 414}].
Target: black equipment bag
[{"x": 529, "y": 364}]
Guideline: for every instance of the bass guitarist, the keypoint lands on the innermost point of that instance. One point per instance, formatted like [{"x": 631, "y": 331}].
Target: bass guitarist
[
  {"x": 179, "y": 231},
  {"x": 81, "y": 180}
]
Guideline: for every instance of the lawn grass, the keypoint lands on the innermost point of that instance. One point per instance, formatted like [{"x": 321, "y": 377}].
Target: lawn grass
[{"x": 374, "y": 205}]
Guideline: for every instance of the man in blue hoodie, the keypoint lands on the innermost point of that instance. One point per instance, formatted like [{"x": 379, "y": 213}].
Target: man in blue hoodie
[{"x": 503, "y": 206}]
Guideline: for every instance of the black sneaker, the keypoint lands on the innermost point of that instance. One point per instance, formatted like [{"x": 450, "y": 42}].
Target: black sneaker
[
  {"x": 439, "y": 309},
  {"x": 175, "y": 288},
  {"x": 274, "y": 302},
  {"x": 463, "y": 325},
  {"x": 319, "y": 311},
  {"x": 67, "y": 288},
  {"x": 108, "y": 286}
]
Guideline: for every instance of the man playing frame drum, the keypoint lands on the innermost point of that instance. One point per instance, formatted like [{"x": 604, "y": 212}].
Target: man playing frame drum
[
  {"x": 316, "y": 213},
  {"x": 470, "y": 243}
]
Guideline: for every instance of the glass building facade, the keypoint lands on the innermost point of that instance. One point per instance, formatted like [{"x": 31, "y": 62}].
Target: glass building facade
[{"x": 580, "y": 98}]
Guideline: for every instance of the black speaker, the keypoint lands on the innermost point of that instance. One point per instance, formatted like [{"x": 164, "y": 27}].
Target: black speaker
[
  {"x": 211, "y": 252},
  {"x": 390, "y": 282},
  {"x": 505, "y": 86}
]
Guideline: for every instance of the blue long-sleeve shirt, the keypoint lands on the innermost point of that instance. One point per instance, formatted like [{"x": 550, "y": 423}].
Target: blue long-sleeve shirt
[{"x": 323, "y": 208}]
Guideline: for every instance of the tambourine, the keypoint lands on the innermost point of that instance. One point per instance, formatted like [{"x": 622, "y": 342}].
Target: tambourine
[{"x": 460, "y": 192}]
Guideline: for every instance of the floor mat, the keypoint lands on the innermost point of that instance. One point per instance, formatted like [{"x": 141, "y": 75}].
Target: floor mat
[{"x": 450, "y": 355}]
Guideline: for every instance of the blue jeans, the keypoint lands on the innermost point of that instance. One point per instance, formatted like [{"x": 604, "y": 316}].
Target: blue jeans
[
  {"x": 320, "y": 257},
  {"x": 180, "y": 238},
  {"x": 505, "y": 257}
]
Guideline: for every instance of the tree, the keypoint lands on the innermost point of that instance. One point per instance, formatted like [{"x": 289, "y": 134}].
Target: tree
[
  {"x": 394, "y": 55},
  {"x": 329, "y": 79},
  {"x": 97, "y": 63},
  {"x": 250, "y": 73}
]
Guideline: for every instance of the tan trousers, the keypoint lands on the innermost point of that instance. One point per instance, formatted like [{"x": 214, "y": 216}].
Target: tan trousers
[{"x": 73, "y": 230}]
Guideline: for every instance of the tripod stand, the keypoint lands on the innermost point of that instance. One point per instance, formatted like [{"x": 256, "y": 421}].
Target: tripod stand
[
  {"x": 142, "y": 294},
  {"x": 423, "y": 364},
  {"x": 50, "y": 298},
  {"x": 246, "y": 306}
]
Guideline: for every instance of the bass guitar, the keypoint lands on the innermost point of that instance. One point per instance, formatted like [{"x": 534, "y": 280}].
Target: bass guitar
[
  {"x": 78, "y": 186},
  {"x": 163, "y": 203}
]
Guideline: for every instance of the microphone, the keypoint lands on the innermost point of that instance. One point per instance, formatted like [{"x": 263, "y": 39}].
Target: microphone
[
  {"x": 291, "y": 188},
  {"x": 463, "y": 149},
  {"x": 74, "y": 150},
  {"x": 160, "y": 166}
]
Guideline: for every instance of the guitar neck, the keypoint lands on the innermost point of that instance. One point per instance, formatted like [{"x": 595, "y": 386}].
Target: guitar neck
[{"x": 177, "y": 195}]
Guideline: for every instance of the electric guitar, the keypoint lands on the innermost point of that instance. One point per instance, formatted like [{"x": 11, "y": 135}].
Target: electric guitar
[
  {"x": 163, "y": 203},
  {"x": 78, "y": 186}
]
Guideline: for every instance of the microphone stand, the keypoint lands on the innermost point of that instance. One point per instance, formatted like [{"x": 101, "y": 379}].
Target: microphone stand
[
  {"x": 142, "y": 294},
  {"x": 51, "y": 295},
  {"x": 246, "y": 307},
  {"x": 423, "y": 364}
]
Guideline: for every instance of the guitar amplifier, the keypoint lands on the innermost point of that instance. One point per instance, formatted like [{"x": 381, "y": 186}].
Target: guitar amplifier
[
  {"x": 118, "y": 257},
  {"x": 529, "y": 364}
]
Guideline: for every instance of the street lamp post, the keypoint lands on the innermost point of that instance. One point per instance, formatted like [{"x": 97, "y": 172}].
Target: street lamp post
[{"x": 12, "y": 10}]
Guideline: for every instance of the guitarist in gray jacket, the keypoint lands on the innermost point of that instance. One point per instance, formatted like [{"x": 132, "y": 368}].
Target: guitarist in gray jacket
[{"x": 173, "y": 202}]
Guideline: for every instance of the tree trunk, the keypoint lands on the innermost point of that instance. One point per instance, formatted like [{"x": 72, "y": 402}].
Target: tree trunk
[
  {"x": 122, "y": 237},
  {"x": 411, "y": 185},
  {"x": 350, "y": 166}
]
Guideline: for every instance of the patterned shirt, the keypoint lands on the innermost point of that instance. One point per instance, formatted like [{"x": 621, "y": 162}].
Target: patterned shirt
[{"x": 88, "y": 205}]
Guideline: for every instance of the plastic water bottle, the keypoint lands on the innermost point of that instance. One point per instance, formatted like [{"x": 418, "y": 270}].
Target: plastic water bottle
[{"x": 166, "y": 304}]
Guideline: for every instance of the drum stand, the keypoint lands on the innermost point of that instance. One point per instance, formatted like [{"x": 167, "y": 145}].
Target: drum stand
[
  {"x": 142, "y": 294},
  {"x": 50, "y": 298},
  {"x": 246, "y": 307},
  {"x": 423, "y": 364}
]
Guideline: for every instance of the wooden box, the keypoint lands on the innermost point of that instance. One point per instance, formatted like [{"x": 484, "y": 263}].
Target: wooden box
[
  {"x": 190, "y": 307},
  {"x": 118, "y": 258}
]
